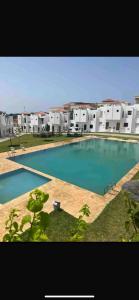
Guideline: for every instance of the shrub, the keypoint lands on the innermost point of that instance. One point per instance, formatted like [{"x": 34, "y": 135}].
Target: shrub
[{"x": 132, "y": 222}]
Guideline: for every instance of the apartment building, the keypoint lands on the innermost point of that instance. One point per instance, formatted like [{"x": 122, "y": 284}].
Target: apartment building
[
  {"x": 107, "y": 116},
  {"x": 38, "y": 121},
  {"x": 32, "y": 122},
  {"x": 110, "y": 116},
  {"x": 6, "y": 124},
  {"x": 117, "y": 117},
  {"x": 58, "y": 120}
]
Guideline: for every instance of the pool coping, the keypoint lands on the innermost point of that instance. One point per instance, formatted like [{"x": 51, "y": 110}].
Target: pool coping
[{"x": 71, "y": 196}]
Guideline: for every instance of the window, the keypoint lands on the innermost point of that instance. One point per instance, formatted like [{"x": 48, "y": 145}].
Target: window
[
  {"x": 91, "y": 126},
  {"x": 84, "y": 126},
  {"x": 107, "y": 125},
  {"x": 77, "y": 125},
  {"x": 107, "y": 110},
  {"x": 125, "y": 124},
  {"x": 65, "y": 121},
  {"x": 83, "y": 114},
  {"x": 94, "y": 116},
  {"x": 129, "y": 112},
  {"x": 117, "y": 110},
  {"x": 71, "y": 124},
  {"x": 71, "y": 115},
  {"x": 51, "y": 117},
  {"x": 123, "y": 114}
]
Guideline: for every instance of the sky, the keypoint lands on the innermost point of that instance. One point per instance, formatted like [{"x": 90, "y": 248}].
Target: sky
[{"x": 38, "y": 83}]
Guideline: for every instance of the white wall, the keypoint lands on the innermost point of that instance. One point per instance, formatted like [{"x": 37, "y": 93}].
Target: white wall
[{"x": 6, "y": 125}]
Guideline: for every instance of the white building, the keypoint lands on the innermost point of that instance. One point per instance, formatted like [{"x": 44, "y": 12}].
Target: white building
[
  {"x": 84, "y": 120},
  {"x": 59, "y": 121},
  {"x": 107, "y": 116},
  {"x": 118, "y": 118},
  {"x": 24, "y": 122},
  {"x": 38, "y": 122},
  {"x": 33, "y": 122},
  {"x": 112, "y": 116},
  {"x": 6, "y": 124}
]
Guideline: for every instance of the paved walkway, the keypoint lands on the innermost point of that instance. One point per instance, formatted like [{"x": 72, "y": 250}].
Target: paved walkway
[
  {"x": 4, "y": 139},
  {"x": 135, "y": 137},
  {"x": 71, "y": 196},
  {"x": 8, "y": 138}
]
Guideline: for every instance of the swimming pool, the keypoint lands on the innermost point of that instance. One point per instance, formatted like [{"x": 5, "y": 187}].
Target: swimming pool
[
  {"x": 18, "y": 182},
  {"x": 93, "y": 164}
]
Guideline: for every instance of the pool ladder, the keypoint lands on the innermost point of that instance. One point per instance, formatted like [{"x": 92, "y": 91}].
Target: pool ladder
[{"x": 110, "y": 187}]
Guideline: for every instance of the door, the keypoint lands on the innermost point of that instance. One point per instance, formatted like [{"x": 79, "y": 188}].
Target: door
[{"x": 117, "y": 126}]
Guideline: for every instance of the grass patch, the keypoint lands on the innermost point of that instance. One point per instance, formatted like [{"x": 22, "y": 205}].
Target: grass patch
[
  {"x": 136, "y": 176},
  {"x": 28, "y": 140},
  {"x": 108, "y": 227},
  {"x": 60, "y": 226}
]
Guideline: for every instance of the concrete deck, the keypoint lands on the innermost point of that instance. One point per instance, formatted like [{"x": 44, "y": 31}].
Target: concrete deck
[{"x": 71, "y": 196}]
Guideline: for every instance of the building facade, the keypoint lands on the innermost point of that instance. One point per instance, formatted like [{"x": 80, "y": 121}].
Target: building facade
[
  {"x": 112, "y": 116},
  {"x": 6, "y": 124}
]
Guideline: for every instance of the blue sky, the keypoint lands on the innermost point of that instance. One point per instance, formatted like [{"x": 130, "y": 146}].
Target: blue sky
[{"x": 42, "y": 82}]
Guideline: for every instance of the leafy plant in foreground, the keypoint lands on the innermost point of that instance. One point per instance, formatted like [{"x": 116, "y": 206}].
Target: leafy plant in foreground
[
  {"x": 33, "y": 226},
  {"x": 36, "y": 223},
  {"x": 80, "y": 226}
]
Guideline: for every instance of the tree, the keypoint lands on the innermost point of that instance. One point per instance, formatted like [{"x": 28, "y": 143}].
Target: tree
[
  {"x": 52, "y": 129},
  {"x": 18, "y": 133},
  {"x": 59, "y": 130},
  {"x": 10, "y": 134},
  {"x": 47, "y": 127}
]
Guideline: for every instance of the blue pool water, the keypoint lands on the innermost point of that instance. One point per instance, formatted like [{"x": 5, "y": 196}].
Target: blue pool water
[
  {"x": 16, "y": 183},
  {"x": 93, "y": 164}
]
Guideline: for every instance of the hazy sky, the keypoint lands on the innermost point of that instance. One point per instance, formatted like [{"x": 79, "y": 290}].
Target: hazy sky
[{"x": 42, "y": 82}]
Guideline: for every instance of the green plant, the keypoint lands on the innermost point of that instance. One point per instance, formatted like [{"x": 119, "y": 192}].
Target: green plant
[
  {"x": 78, "y": 230},
  {"x": 37, "y": 222},
  {"x": 18, "y": 133},
  {"x": 33, "y": 226},
  {"x": 47, "y": 127},
  {"x": 133, "y": 218}
]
